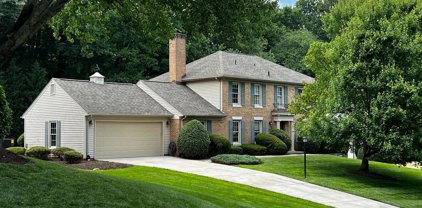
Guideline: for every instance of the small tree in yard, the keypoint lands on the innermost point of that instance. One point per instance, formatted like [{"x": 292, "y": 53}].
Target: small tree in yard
[
  {"x": 5, "y": 116},
  {"x": 193, "y": 141},
  {"x": 368, "y": 89}
]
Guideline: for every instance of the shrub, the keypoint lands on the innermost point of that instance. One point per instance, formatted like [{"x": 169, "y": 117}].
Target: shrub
[
  {"x": 59, "y": 151},
  {"x": 172, "y": 149},
  {"x": 218, "y": 145},
  {"x": 193, "y": 141},
  {"x": 274, "y": 145},
  {"x": 16, "y": 150},
  {"x": 283, "y": 136},
  {"x": 231, "y": 159},
  {"x": 236, "y": 150},
  {"x": 254, "y": 149},
  {"x": 21, "y": 140},
  {"x": 73, "y": 157},
  {"x": 39, "y": 152}
]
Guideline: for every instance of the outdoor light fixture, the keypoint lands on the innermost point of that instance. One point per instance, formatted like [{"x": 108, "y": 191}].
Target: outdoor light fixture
[{"x": 304, "y": 155}]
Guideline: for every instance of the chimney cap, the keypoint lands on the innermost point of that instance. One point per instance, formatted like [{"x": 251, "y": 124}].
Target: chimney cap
[{"x": 96, "y": 75}]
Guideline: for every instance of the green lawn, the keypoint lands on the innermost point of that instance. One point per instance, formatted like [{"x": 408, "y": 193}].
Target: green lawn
[
  {"x": 44, "y": 184},
  {"x": 386, "y": 182}
]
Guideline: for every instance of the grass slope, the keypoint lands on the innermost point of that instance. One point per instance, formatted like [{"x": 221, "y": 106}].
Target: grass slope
[
  {"x": 44, "y": 184},
  {"x": 385, "y": 182},
  {"x": 220, "y": 193}
]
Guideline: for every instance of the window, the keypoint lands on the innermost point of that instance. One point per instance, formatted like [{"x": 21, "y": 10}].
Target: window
[
  {"x": 237, "y": 131},
  {"x": 257, "y": 94},
  {"x": 205, "y": 123},
  {"x": 53, "y": 133},
  {"x": 52, "y": 89},
  {"x": 257, "y": 127},
  {"x": 299, "y": 91},
  {"x": 235, "y": 93},
  {"x": 279, "y": 96}
]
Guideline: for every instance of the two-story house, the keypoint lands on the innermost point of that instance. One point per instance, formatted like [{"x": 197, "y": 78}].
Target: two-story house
[{"x": 234, "y": 95}]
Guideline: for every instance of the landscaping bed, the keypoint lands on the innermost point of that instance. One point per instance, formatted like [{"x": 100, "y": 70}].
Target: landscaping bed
[
  {"x": 12, "y": 158},
  {"x": 92, "y": 164},
  {"x": 233, "y": 159}
]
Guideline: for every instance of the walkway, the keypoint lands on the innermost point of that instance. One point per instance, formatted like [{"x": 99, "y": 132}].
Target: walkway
[{"x": 258, "y": 179}]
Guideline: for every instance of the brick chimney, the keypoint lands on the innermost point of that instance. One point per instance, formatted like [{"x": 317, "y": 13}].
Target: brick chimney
[{"x": 177, "y": 58}]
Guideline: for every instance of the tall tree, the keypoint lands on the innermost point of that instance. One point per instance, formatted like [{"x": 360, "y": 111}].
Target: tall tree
[
  {"x": 5, "y": 116},
  {"x": 368, "y": 88}
]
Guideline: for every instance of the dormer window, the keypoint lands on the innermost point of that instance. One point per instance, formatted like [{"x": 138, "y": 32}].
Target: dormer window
[{"x": 52, "y": 89}]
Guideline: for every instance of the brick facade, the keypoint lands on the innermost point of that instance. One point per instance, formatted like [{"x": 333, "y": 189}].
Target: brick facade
[
  {"x": 177, "y": 58},
  {"x": 248, "y": 112}
]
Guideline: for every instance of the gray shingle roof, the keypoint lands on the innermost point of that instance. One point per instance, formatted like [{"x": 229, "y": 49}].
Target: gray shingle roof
[
  {"x": 111, "y": 98},
  {"x": 185, "y": 100},
  {"x": 232, "y": 65}
]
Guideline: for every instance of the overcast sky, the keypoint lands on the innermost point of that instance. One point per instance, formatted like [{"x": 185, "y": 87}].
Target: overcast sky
[{"x": 287, "y": 3}]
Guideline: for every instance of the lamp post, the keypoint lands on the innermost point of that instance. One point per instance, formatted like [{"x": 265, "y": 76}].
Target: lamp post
[{"x": 304, "y": 155}]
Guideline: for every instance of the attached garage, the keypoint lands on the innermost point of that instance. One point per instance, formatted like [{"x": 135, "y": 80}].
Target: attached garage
[{"x": 117, "y": 139}]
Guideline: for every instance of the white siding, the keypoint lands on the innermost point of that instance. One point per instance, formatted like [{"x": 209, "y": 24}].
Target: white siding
[
  {"x": 59, "y": 106},
  {"x": 209, "y": 90}
]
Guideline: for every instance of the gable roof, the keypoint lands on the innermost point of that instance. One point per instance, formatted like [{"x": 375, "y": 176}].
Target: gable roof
[
  {"x": 241, "y": 66},
  {"x": 111, "y": 98},
  {"x": 184, "y": 99}
]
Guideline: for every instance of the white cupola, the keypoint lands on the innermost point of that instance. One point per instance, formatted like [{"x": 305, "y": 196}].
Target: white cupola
[{"x": 97, "y": 78}]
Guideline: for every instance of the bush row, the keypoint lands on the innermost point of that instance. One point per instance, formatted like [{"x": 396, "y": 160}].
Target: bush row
[{"x": 40, "y": 152}]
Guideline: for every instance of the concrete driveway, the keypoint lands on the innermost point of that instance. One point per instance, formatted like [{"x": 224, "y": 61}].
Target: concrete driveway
[{"x": 258, "y": 179}]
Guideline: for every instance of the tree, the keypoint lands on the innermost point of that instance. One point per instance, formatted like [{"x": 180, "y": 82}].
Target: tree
[
  {"x": 5, "y": 116},
  {"x": 313, "y": 10},
  {"x": 292, "y": 48},
  {"x": 368, "y": 88}
]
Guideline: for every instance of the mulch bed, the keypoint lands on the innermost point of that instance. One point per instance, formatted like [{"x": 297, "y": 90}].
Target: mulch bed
[
  {"x": 11, "y": 158},
  {"x": 92, "y": 164}
]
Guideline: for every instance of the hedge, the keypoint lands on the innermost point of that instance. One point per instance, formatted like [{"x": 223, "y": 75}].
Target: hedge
[
  {"x": 236, "y": 150},
  {"x": 218, "y": 145},
  {"x": 16, "y": 150},
  {"x": 232, "y": 159},
  {"x": 39, "y": 152},
  {"x": 73, "y": 157},
  {"x": 59, "y": 151},
  {"x": 282, "y": 135},
  {"x": 254, "y": 149},
  {"x": 274, "y": 145}
]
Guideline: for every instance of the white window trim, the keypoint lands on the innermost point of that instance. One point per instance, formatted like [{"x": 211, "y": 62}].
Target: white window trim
[
  {"x": 49, "y": 134},
  {"x": 239, "y": 133},
  {"x": 301, "y": 89},
  {"x": 237, "y": 117},
  {"x": 258, "y": 118},
  {"x": 205, "y": 123},
  {"x": 259, "y": 104},
  {"x": 260, "y": 126},
  {"x": 239, "y": 96},
  {"x": 281, "y": 104}
]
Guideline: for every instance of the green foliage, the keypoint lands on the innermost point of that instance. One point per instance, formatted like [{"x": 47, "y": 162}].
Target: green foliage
[
  {"x": 236, "y": 150},
  {"x": 312, "y": 147},
  {"x": 282, "y": 135},
  {"x": 5, "y": 116},
  {"x": 173, "y": 149},
  {"x": 219, "y": 145},
  {"x": 253, "y": 149},
  {"x": 21, "y": 139},
  {"x": 368, "y": 87},
  {"x": 233, "y": 159},
  {"x": 274, "y": 145},
  {"x": 39, "y": 152},
  {"x": 193, "y": 141},
  {"x": 292, "y": 48},
  {"x": 59, "y": 151},
  {"x": 16, "y": 150},
  {"x": 72, "y": 157}
]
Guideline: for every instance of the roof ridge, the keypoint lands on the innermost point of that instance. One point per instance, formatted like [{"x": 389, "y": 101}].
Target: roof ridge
[{"x": 82, "y": 80}]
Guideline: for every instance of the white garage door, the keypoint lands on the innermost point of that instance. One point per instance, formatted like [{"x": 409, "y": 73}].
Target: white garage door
[{"x": 127, "y": 139}]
